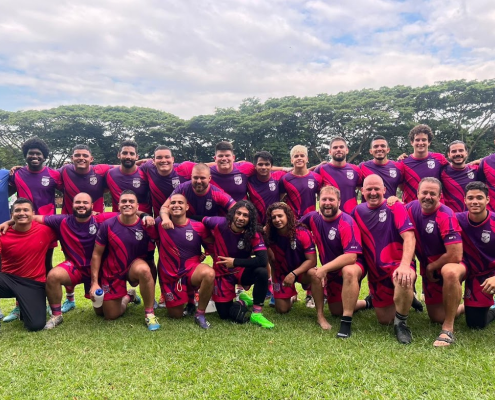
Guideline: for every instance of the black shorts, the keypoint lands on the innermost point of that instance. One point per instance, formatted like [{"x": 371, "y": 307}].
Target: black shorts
[{"x": 31, "y": 296}]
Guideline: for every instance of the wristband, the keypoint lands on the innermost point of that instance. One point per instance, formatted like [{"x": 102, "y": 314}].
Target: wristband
[{"x": 293, "y": 273}]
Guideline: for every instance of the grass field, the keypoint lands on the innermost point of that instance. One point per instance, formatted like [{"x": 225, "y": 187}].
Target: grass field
[{"x": 89, "y": 358}]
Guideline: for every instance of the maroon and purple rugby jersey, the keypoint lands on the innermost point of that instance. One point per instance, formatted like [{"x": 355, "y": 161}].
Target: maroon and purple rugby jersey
[
  {"x": 39, "y": 187},
  {"x": 161, "y": 187},
  {"x": 301, "y": 191},
  {"x": 416, "y": 169},
  {"x": 346, "y": 178},
  {"x": 235, "y": 182},
  {"x": 264, "y": 193},
  {"x": 454, "y": 182},
  {"x": 392, "y": 174},
  {"x": 117, "y": 182},
  {"x": 92, "y": 183},
  {"x": 486, "y": 173},
  {"x": 213, "y": 203},
  {"x": 381, "y": 230}
]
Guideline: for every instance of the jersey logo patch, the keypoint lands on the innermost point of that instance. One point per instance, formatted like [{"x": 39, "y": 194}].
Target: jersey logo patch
[
  {"x": 431, "y": 164},
  {"x": 470, "y": 175},
  {"x": 175, "y": 182},
  {"x": 272, "y": 186},
  {"x": 382, "y": 216},
  {"x": 238, "y": 179},
  {"x": 467, "y": 293},
  {"x": 93, "y": 180},
  {"x": 169, "y": 296},
  {"x": 393, "y": 173},
  {"x": 332, "y": 233},
  {"x": 293, "y": 244},
  {"x": 311, "y": 183},
  {"x": 240, "y": 244},
  {"x": 208, "y": 204},
  {"x": 429, "y": 227},
  {"x": 276, "y": 287},
  {"x": 45, "y": 181},
  {"x": 105, "y": 288},
  {"x": 485, "y": 237},
  {"x": 350, "y": 174},
  {"x": 92, "y": 229},
  {"x": 136, "y": 182},
  {"x": 189, "y": 235},
  {"x": 139, "y": 235}
]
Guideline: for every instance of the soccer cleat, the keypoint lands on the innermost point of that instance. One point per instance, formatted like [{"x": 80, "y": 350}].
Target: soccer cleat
[
  {"x": 310, "y": 302},
  {"x": 272, "y": 302},
  {"x": 202, "y": 321},
  {"x": 134, "y": 297},
  {"x": 403, "y": 333},
  {"x": 369, "y": 302},
  {"x": 13, "y": 315},
  {"x": 68, "y": 305},
  {"x": 248, "y": 300},
  {"x": 152, "y": 322},
  {"x": 161, "y": 302},
  {"x": 189, "y": 309},
  {"x": 259, "y": 319},
  {"x": 54, "y": 321},
  {"x": 416, "y": 304}
]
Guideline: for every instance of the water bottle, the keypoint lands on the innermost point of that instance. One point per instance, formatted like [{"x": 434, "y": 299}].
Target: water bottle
[{"x": 98, "y": 298}]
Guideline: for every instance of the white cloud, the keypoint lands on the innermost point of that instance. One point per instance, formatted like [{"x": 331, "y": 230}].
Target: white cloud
[{"x": 188, "y": 57}]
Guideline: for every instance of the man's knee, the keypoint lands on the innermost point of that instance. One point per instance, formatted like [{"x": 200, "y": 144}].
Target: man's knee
[
  {"x": 452, "y": 273},
  {"x": 351, "y": 273},
  {"x": 35, "y": 325},
  {"x": 261, "y": 274}
]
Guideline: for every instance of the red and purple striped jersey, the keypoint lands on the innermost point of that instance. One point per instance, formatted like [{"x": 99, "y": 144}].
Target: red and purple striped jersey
[
  {"x": 118, "y": 181},
  {"x": 235, "y": 182},
  {"x": 264, "y": 193},
  {"x": 454, "y": 182},
  {"x": 486, "y": 174},
  {"x": 301, "y": 191},
  {"x": 213, "y": 203},
  {"x": 392, "y": 174}
]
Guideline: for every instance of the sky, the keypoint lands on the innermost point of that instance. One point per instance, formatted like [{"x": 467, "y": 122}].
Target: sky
[{"x": 188, "y": 57}]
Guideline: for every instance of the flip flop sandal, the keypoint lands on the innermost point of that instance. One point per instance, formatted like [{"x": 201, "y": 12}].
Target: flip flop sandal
[{"x": 450, "y": 339}]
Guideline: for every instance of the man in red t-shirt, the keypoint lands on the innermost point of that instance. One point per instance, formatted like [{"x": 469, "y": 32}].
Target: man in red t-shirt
[{"x": 23, "y": 273}]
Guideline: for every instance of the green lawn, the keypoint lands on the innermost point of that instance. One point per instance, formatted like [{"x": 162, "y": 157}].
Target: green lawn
[{"x": 89, "y": 358}]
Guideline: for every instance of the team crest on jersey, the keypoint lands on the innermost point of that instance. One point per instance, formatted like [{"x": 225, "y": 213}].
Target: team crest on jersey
[
  {"x": 93, "y": 180},
  {"x": 105, "y": 288},
  {"x": 272, "y": 186},
  {"x": 175, "y": 182},
  {"x": 350, "y": 174},
  {"x": 293, "y": 244},
  {"x": 332, "y": 233},
  {"x": 208, "y": 204},
  {"x": 238, "y": 179},
  {"x": 311, "y": 183},
  {"x": 139, "y": 235},
  {"x": 485, "y": 237},
  {"x": 429, "y": 227},
  {"x": 189, "y": 235},
  {"x": 240, "y": 244},
  {"x": 92, "y": 229},
  {"x": 45, "y": 181},
  {"x": 169, "y": 296},
  {"x": 393, "y": 173},
  {"x": 467, "y": 293},
  {"x": 382, "y": 216},
  {"x": 470, "y": 175},
  {"x": 276, "y": 287},
  {"x": 136, "y": 182},
  {"x": 431, "y": 164}
]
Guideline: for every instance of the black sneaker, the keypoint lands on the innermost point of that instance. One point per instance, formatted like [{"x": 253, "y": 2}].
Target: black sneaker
[
  {"x": 403, "y": 333},
  {"x": 369, "y": 302},
  {"x": 417, "y": 305},
  {"x": 190, "y": 309}
]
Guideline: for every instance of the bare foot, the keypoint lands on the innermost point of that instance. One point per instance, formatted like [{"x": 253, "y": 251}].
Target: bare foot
[{"x": 324, "y": 324}]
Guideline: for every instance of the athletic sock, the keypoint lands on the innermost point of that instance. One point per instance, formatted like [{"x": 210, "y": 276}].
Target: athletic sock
[
  {"x": 257, "y": 309},
  {"x": 56, "y": 309},
  {"x": 399, "y": 318},
  {"x": 70, "y": 296},
  {"x": 149, "y": 311},
  {"x": 345, "y": 327},
  {"x": 128, "y": 297},
  {"x": 200, "y": 312}
]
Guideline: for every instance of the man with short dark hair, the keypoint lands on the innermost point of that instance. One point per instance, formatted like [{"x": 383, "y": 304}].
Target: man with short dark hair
[
  {"x": 439, "y": 251},
  {"x": 120, "y": 251},
  {"x": 478, "y": 243},
  {"x": 456, "y": 176},
  {"x": 23, "y": 273}
]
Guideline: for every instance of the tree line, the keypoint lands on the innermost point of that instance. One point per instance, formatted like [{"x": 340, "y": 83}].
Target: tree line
[{"x": 455, "y": 110}]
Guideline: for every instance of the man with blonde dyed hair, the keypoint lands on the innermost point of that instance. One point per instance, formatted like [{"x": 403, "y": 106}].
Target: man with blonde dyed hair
[{"x": 301, "y": 184}]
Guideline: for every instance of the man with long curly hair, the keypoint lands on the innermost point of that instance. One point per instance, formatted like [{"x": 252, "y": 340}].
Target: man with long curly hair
[
  {"x": 237, "y": 240},
  {"x": 292, "y": 255}
]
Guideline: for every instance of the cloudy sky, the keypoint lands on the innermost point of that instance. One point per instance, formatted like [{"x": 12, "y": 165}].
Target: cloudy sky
[{"x": 189, "y": 56}]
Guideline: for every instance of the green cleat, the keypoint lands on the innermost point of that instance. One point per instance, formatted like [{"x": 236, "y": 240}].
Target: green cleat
[
  {"x": 13, "y": 315},
  {"x": 248, "y": 301},
  {"x": 259, "y": 319}
]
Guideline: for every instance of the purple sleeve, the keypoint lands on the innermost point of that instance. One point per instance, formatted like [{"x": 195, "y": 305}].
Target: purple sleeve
[
  {"x": 54, "y": 221},
  {"x": 102, "y": 235}
]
